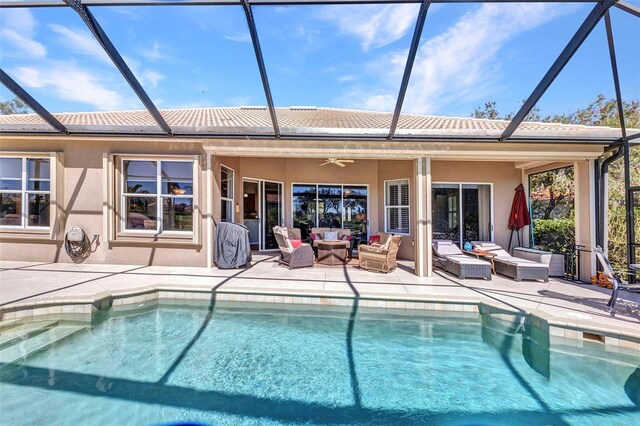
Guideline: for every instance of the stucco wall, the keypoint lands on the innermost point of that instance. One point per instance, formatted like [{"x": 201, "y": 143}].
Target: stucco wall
[
  {"x": 82, "y": 203},
  {"x": 393, "y": 170}
]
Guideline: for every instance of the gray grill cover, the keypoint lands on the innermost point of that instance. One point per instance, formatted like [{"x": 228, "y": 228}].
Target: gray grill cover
[{"x": 231, "y": 246}]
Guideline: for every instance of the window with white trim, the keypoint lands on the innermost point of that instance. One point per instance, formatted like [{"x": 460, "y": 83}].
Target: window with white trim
[
  {"x": 157, "y": 195},
  {"x": 25, "y": 192},
  {"x": 396, "y": 206},
  {"x": 226, "y": 194}
]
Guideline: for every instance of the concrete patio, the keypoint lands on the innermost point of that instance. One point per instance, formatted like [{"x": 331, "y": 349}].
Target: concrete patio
[{"x": 561, "y": 303}]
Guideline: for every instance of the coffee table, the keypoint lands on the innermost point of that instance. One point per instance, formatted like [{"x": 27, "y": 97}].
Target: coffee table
[{"x": 332, "y": 253}]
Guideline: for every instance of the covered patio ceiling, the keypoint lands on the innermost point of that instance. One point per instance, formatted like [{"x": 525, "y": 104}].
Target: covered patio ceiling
[{"x": 161, "y": 122}]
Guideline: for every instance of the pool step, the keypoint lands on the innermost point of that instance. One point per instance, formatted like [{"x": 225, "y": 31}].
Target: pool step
[
  {"x": 7, "y": 324},
  {"x": 17, "y": 333},
  {"x": 38, "y": 342}
]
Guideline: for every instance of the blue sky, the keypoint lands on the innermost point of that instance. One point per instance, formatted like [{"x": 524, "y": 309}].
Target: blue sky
[{"x": 334, "y": 56}]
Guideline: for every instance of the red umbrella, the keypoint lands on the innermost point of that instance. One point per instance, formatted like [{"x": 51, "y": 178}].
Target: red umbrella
[{"x": 519, "y": 216}]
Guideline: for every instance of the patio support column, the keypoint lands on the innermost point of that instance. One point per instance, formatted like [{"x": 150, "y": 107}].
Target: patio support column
[
  {"x": 212, "y": 215},
  {"x": 423, "y": 237},
  {"x": 585, "y": 208}
]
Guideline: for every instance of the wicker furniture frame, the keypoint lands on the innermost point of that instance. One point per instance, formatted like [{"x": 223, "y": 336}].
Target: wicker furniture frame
[
  {"x": 332, "y": 253},
  {"x": 452, "y": 260},
  {"x": 378, "y": 258},
  {"x": 465, "y": 269},
  {"x": 513, "y": 266},
  {"x": 299, "y": 257},
  {"x": 522, "y": 271}
]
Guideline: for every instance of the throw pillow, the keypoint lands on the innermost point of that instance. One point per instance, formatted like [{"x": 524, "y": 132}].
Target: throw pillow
[
  {"x": 330, "y": 236},
  {"x": 346, "y": 237},
  {"x": 296, "y": 243},
  {"x": 374, "y": 239}
]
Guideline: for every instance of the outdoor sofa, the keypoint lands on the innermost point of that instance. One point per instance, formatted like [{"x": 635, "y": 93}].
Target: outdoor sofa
[
  {"x": 293, "y": 257},
  {"x": 317, "y": 235},
  {"x": 449, "y": 257},
  {"x": 380, "y": 257},
  {"x": 512, "y": 266}
]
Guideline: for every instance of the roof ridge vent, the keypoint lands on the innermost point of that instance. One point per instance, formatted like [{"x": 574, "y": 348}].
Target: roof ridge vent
[
  {"x": 303, "y": 108},
  {"x": 250, "y": 107}
]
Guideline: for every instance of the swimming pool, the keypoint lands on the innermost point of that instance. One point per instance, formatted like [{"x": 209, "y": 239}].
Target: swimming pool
[{"x": 227, "y": 363}]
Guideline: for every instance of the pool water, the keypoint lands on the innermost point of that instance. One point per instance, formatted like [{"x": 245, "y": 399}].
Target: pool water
[{"x": 236, "y": 364}]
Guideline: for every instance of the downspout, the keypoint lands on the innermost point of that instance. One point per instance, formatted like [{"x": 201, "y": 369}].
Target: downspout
[{"x": 600, "y": 196}]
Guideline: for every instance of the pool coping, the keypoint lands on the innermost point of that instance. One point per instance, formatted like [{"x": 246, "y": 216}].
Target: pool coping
[{"x": 81, "y": 307}]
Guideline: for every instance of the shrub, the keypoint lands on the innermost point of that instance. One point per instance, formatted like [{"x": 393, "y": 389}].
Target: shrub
[{"x": 556, "y": 235}]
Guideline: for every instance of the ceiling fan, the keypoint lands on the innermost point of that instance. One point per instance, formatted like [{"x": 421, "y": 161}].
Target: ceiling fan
[{"x": 337, "y": 162}]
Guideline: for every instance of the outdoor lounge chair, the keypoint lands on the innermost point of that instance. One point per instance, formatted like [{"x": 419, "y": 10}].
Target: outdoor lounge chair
[
  {"x": 297, "y": 257},
  {"x": 511, "y": 266},
  {"x": 449, "y": 257},
  {"x": 380, "y": 257}
]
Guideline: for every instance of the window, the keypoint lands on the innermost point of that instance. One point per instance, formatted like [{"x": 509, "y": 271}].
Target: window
[
  {"x": 396, "y": 206},
  {"x": 330, "y": 206},
  {"x": 25, "y": 192},
  {"x": 157, "y": 195},
  {"x": 226, "y": 194}
]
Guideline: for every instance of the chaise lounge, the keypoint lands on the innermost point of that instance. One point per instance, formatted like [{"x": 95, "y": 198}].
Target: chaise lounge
[
  {"x": 514, "y": 267},
  {"x": 449, "y": 257},
  {"x": 297, "y": 256}
]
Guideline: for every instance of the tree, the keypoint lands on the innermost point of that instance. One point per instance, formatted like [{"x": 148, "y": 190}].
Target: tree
[
  {"x": 14, "y": 106},
  {"x": 489, "y": 111},
  {"x": 550, "y": 190}
]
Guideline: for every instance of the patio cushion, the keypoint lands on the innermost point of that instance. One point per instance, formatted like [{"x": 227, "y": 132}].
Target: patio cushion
[
  {"x": 285, "y": 245},
  {"x": 465, "y": 260},
  {"x": 330, "y": 236},
  {"x": 343, "y": 233},
  {"x": 447, "y": 248}
]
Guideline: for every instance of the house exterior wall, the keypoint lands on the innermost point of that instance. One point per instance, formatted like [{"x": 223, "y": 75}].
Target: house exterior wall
[
  {"x": 83, "y": 187},
  {"x": 82, "y": 204}
]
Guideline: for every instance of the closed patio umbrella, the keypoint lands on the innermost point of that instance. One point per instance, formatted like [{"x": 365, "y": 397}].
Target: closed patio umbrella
[{"x": 519, "y": 216}]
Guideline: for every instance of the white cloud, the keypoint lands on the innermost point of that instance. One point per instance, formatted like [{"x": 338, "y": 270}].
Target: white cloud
[
  {"x": 148, "y": 78},
  {"x": 69, "y": 82},
  {"x": 17, "y": 29},
  {"x": 155, "y": 53},
  {"x": 462, "y": 63},
  {"x": 346, "y": 78},
  {"x": 26, "y": 46},
  {"x": 20, "y": 20},
  {"x": 81, "y": 42},
  {"x": 375, "y": 25},
  {"x": 239, "y": 38},
  {"x": 151, "y": 78}
]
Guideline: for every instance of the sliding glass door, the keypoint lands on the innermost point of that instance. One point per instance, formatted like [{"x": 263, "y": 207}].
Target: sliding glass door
[
  {"x": 462, "y": 212},
  {"x": 262, "y": 210},
  {"x": 330, "y": 206}
]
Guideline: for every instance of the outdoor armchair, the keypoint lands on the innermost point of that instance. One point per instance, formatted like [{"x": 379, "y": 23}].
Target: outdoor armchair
[
  {"x": 293, "y": 257},
  {"x": 381, "y": 258}
]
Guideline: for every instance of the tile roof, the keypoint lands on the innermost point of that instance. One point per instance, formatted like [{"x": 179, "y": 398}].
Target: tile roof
[{"x": 297, "y": 121}]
